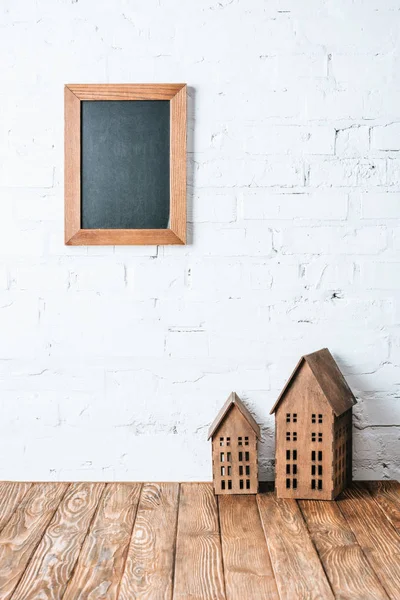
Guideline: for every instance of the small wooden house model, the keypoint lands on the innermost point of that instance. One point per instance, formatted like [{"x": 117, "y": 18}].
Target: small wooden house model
[
  {"x": 313, "y": 430},
  {"x": 234, "y": 435}
]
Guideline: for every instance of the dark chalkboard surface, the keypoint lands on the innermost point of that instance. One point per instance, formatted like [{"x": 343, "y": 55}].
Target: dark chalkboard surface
[{"x": 125, "y": 170}]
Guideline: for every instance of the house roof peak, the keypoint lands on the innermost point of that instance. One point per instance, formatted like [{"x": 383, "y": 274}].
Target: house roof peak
[
  {"x": 328, "y": 375},
  {"x": 233, "y": 400}
]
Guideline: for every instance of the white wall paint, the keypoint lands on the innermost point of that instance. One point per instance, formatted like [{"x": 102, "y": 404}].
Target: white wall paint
[{"x": 114, "y": 361}]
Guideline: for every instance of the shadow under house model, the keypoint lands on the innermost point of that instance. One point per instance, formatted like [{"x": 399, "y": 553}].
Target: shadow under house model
[
  {"x": 234, "y": 435},
  {"x": 313, "y": 430}
]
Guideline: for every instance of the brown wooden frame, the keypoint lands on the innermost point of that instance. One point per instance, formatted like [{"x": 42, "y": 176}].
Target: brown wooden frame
[{"x": 73, "y": 96}]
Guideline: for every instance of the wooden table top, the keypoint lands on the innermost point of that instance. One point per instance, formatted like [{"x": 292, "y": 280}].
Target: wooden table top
[{"x": 162, "y": 541}]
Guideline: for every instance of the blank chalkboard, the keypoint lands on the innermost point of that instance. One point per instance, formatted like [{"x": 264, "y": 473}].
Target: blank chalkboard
[{"x": 125, "y": 164}]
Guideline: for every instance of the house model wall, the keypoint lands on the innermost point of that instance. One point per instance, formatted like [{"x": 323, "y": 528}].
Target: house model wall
[
  {"x": 234, "y": 435},
  {"x": 313, "y": 433}
]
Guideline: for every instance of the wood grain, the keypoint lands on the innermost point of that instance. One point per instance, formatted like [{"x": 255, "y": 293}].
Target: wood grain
[
  {"x": 121, "y": 237},
  {"x": 24, "y": 530},
  {"x": 51, "y": 566},
  {"x": 387, "y": 495},
  {"x": 375, "y": 534},
  {"x": 345, "y": 564},
  {"x": 72, "y": 164},
  {"x": 247, "y": 565},
  {"x": 101, "y": 562},
  {"x": 125, "y": 91},
  {"x": 178, "y": 164},
  {"x": 298, "y": 570},
  {"x": 198, "y": 562},
  {"x": 11, "y": 495},
  {"x": 149, "y": 567}
]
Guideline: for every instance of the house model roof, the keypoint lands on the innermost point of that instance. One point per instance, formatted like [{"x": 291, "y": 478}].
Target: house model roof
[
  {"x": 330, "y": 379},
  {"x": 233, "y": 400}
]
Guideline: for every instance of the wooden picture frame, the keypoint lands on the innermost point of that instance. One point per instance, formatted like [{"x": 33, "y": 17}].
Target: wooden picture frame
[{"x": 74, "y": 95}]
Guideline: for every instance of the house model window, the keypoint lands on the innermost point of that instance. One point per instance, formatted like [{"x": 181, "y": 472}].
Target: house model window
[
  {"x": 313, "y": 457},
  {"x": 236, "y": 471}
]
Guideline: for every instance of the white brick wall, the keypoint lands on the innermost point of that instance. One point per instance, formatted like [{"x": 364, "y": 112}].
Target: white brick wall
[{"x": 113, "y": 361}]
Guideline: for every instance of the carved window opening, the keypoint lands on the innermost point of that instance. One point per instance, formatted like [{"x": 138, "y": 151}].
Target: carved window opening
[
  {"x": 221, "y": 441},
  {"x": 288, "y": 483},
  {"x": 222, "y": 484},
  {"x": 229, "y": 484}
]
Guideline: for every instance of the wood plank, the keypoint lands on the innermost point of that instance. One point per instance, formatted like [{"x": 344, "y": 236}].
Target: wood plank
[
  {"x": 132, "y": 237},
  {"x": 101, "y": 562},
  {"x": 178, "y": 164},
  {"x": 198, "y": 563},
  {"x": 298, "y": 570},
  {"x": 345, "y": 564},
  {"x": 387, "y": 495},
  {"x": 72, "y": 165},
  {"x": 125, "y": 91},
  {"x": 376, "y": 536},
  {"x": 149, "y": 567},
  {"x": 51, "y": 566},
  {"x": 11, "y": 495},
  {"x": 24, "y": 530},
  {"x": 247, "y": 565}
]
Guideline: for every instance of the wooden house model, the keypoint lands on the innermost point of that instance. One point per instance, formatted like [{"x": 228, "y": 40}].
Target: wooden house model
[
  {"x": 234, "y": 435},
  {"x": 313, "y": 430}
]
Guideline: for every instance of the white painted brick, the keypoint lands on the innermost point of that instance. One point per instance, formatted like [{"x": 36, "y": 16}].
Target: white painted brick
[
  {"x": 332, "y": 275},
  {"x": 352, "y": 142},
  {"x": 212, "y": 206},
  {"x": 187, "y": 344},
  {"x": 262, "y": 204},
  {"x": 155, "y": 278},
  {"x": 384, "y": 205},
  {"x": 97, "y": 275},
  {"x": 348, "y": 172},
  {"x": 333, "y": 104},
  {"x": 291, "y": 139},
  {"x": 290, "y": 247},
  {"x": 334, "y": 240},
  {"x": 379, "y": 275},
  {"x": 39, "y": 277},
  {"x": 386, "y": 137},
  {"x": 393, "y": 171}
]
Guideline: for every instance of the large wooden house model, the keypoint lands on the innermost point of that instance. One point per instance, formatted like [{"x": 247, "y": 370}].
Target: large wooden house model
[
  {"x": 234, "y": 434},
  {"x": 313, "y": 430}
]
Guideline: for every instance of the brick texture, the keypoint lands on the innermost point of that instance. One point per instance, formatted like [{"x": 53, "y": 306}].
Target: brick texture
[{"x": 113, "y": 361}]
